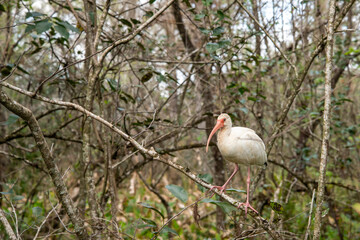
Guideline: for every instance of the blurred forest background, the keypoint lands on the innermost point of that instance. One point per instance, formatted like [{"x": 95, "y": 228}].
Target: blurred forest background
[{"x": 106, "y": 106}]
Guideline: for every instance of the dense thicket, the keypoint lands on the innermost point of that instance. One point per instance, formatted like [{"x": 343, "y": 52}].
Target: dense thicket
[{"x": 106, "y": 107}]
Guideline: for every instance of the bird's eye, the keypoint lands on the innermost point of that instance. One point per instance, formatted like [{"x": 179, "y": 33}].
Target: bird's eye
[{"x": 224, "y": 119}]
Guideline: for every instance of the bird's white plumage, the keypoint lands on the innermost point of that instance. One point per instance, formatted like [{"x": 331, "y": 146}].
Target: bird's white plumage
[
  {"x": 241, "y": 145},
  {"x": 238, "y": 145}
]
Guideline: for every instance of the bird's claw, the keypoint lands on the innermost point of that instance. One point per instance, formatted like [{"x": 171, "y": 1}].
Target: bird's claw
[
  {"x": 221, "y": 188},
  {"x": 247, "y": 205}
]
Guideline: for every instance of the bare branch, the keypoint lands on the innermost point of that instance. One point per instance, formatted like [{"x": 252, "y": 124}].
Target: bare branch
[
  {"x": 273, "y": 41},
  {"x": 7, "y": 226},
  {"x": 310, "y": 215}
]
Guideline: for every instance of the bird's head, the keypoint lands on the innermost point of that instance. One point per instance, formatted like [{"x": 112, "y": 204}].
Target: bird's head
[{"x": 223, "y": 120}]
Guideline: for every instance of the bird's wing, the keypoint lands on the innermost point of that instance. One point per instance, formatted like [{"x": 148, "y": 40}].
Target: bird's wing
[
  {"x": 250, "y": 147},
  {"x": 246, "y": 134}
]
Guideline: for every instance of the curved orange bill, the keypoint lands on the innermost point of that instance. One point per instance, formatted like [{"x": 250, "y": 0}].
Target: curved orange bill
[{"x": 218, "y": 125}]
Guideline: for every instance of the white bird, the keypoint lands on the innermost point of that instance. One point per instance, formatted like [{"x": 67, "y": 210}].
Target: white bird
[{"x": 239, "y": 145}]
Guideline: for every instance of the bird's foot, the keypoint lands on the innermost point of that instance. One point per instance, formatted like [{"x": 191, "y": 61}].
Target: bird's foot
[
  {"x": 221, "y": 188},
  {"x": 247, "y": 205}
]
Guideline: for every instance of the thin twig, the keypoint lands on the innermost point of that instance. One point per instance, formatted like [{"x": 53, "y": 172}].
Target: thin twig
[
  {"x": 16, "y": 66},
  {"x": 176, "y": 215},
  {"x": 7, "y": 226},
  {"x": 62, "y": 223},
  {"x": 76, "y": 15},
  {"x": 310, "y": 212},
  {"x": 44, "y": 221},
  {"x": 268, "y": 35}
]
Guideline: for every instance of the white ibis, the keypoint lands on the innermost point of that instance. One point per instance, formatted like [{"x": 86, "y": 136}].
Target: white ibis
[{"x": 239, "y": 145}]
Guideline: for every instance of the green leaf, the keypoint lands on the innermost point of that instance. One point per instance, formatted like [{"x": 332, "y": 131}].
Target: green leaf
[
  {"x": 5, "y": 193},
  {"x": 235, "y": 190},
  {"x": 325, "y": 212},
  {"x": 243, "y": 89},
  {"x": 11, "y": 120},
  {"x": 231, "y": 85},
  {"x": 152, "y": 1},
  {"x": 262, "y": 96},
  {"x": 135, "y": 21},
  {"x": 160, "y": 78},
  {"x": 200, "y": 16},
  {"x": 235, "y": 65},
  {"x": 244, "y": 110},
  {"x": 212, "y": 47},
  {"x": 2, "y": 8},
  {"x": 62, "y": 30},
  {"x": 5, "y": 71},
  {"x": 220, "y": 14},
  {"x": 207, "y": 177},
  {"x": 149, "y": 14},
  {"x": 127, "y": 96},
  {"x": 33, "y": 15},
  {"x": 126, "y": 22},
  {"x": 224, "y": 43},
  {"x": 152, "y": 208},
  {"x": 246, "y": 68},
  {"x": 204, "y": 30},
  {"x": 37, "y": 211},
  {"x": 22, "y": 70},
  {"x": 141, "y": 46},
  {"x": 249, "y": 50},
  {"x": 178, "y": 192},
  {"x": 29, "y": 28},
  {"x": 113, "y": 84},
  {"x": 150, "y": 222},
  {"x": 207, "y": 2},
  {"x": 255, "y": 59},
  {"x": 225, "y": 206},
  {"x": 170, "y": 230},
  {"x": 187, "y": 2},
  {"x": 254, "y": 99},
  {"x": 218, "y": 31},
  {"x": 146, "y": 77},
  {"x": 277, "y": 207},
  {"x": 215, "y": 57},
  {"x": 35, "y": 51},
  {"x": 42, "y": 26},
  {"x": 352, "y": 51},
  {"x": 17, "y": 198},
  {"x": 143, "y": 225},
  {"x": 70, "y": 27}
]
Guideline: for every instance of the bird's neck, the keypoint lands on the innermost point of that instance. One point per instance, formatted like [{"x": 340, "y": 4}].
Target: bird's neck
[{"x": 224, "y": 132}]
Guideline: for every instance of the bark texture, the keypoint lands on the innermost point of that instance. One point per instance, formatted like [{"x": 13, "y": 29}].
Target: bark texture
[
  {"x": 7, "y": 226},
  {"x": 326, "y": 121}
]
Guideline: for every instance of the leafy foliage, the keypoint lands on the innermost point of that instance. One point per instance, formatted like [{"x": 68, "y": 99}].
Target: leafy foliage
[{"x": 164, "y": 87}]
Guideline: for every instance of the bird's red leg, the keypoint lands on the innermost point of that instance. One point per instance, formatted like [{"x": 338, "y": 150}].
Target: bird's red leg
[
  {"x": 247, "y": 204},
  {"x": 223, "y": 187}
]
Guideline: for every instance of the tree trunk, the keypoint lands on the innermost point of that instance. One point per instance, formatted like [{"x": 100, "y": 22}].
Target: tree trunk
[{"x": 326, "y": 122}]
